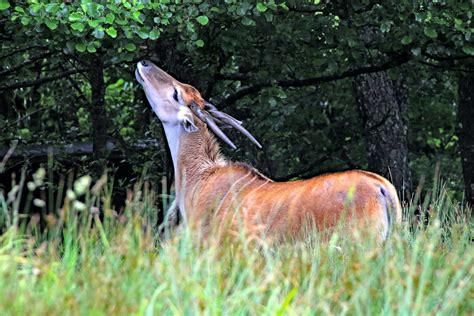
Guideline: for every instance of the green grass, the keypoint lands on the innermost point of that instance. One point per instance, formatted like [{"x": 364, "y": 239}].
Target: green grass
[{"x": 117, "y": 266}]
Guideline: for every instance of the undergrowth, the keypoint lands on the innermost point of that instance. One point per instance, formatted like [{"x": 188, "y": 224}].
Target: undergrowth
[{"x": 90, "y": 260}]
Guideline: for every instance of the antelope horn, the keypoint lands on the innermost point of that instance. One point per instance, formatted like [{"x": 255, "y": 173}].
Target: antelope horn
[
  {"x": 227, "y": 119},
  {"x": 201, "y": 114},
  {"x": 219, "y": 122},
  {"x": 244, "y": 131},
  {"x": 224, "y": 116},
  {"x": 211, "y": 122},
  {"x": 212, "y": 117},
  {"x": 216, "y": 113},
  {"x": 209, "y": 106}
]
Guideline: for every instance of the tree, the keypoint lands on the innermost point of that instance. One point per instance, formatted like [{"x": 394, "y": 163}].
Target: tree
[
  {"x": 466, "y": 133},
  {"x": 383, "y": 114}
]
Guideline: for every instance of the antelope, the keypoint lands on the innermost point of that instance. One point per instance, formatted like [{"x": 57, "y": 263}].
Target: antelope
[{"x": 208, "y": 186}]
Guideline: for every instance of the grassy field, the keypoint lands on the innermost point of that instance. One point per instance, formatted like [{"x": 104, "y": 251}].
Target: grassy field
[{"x": 81, "y": 265}]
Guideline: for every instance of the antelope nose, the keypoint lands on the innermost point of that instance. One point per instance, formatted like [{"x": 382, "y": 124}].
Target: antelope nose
[{"x": 145, "y": 63}]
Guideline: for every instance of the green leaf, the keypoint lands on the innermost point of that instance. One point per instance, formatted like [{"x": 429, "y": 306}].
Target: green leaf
[
  {"x": 121, "y": 22},
  {"x": 136, "y": 16},
  {"x": 386, "y": 26},
  {"x": 4, "y": 4},
  {"x": 70, "y": 46},
  {"x": 154, "y": 34},
  {"x": 98, "y": 33},
  {"x": 199, "y": 43},
  {"x": 80, "y": 47},
  {"x": 24, "y": 132},
  {"x": 262, "y": 7},
  {"x": 75, "y": 16},
  {"x": 112, "y": 32},
  {"x": 34, "y": 8},
  {"x": 130, "y": 47},
  {"x": 268, "y": 16},
  {"x": 203, "y": 20},
  {"x": 469, "y": 50},
  {"x": 93, "y": 23},
  {"x": 52, "y": 8},
  {"x": 248, "y": 21},
  {"x": 25, "y": 20},
  {"x": 91, "y": 8},
  {"x": 110, "y": 18},
  {"x": 91, "y": 49},
  {"x": 77, "y": 26},
  {"x": 406, "y": 40},
  {"x": 430, "y": 32},
  {"x": 416, "y": 51},
  {"x": 51, "y": 24},
  {"x": 142, "y": 34}
]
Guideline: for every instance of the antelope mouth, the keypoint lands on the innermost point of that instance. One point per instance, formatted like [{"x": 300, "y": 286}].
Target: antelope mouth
[{"x": 139, "y": 77}]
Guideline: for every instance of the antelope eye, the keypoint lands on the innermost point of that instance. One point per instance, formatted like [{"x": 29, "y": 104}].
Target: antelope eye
[{"x": 175, "y": 95}]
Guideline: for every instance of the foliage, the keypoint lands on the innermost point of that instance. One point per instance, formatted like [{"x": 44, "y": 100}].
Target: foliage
[
  {"x": 107, "y": 263},
  {"x": 276, "y": 65}
]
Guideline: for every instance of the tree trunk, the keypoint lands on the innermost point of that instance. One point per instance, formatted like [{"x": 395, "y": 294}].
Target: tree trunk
[
  {"x": 98, "y": 116},
  {"x": 466, "y": 134},
  {"x": 382, "y": 105}
]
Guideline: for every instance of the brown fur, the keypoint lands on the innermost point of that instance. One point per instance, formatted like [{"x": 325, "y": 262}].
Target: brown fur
[
  {"x": 237, "y": 194},
  {"x": 192, "y": 94}
]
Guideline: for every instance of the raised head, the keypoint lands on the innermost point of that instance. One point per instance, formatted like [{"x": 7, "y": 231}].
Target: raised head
[{"x": 178, "y": 104}]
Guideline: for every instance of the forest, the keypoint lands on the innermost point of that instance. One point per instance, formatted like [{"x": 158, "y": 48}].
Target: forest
[{"x": 325, "y": 86}]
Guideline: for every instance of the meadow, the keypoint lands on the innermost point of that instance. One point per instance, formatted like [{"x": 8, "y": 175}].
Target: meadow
[{"x": 93, "y": 261}]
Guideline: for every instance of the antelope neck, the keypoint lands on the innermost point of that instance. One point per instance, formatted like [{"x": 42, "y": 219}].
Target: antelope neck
[
  {"x": 172, "y": 132},
  {"x": 192, "y": 154}
]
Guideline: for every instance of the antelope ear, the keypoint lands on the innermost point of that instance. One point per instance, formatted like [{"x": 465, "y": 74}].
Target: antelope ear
[
  {"x": 186, "y": 119},
  {"x": 189, "y": 126}
]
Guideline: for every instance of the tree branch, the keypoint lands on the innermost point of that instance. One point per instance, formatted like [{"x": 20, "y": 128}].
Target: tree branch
[
  {"x": 445, "y": 58},
  {"x": 30, "y": 83},
  {"x": 298, "y": 83},
  {"x": 304, "y": 9},
  {"x": 465, "y": 70},
  {"x": 21, "y": 50},
  {"x": 232, "y": 76},
  {"x": 25, "y": 63}
]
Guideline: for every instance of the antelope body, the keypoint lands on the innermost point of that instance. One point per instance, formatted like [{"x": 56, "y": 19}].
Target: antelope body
[{"x": 210, "y": 189}]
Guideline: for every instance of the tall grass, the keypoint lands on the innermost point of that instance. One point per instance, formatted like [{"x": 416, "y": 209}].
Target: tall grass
[{"x": 91, "y": 261}]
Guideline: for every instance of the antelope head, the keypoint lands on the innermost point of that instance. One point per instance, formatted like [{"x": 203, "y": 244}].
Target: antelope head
[{"x": 178, "y": 106}]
